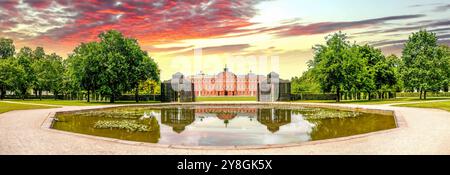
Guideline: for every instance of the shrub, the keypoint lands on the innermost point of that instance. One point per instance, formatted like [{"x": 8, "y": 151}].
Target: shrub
[
  {"x": 129, "y": 125},
  {"x": 312, "y": 96}
]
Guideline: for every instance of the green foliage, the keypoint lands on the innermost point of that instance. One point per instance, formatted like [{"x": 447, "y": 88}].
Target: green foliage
[
  {"x": 11, "y": 75},
  {"x": 129, "y": 125},
  {"x": 320, "y": 114},
  {"x": 306, "y": 83},
  {"x": 444, "y": 53},
  {"x": 49, "y": 73},
  {"x": 424, "y": 63},
  {"x": 340, "y": 66},
  {"x": 145, "y": 125},
  {"x": 417, "y": 94},
  {"x": 313, "y": 96},
  {"x": 7, "y": 48},
  {"x": 112, "y": 66},
  {"x": 149, "y": 87}
]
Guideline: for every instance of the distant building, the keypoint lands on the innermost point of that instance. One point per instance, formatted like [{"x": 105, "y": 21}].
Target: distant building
[
  {"x": 226, "y": 83},
  {"x": 185, "y": 88}
]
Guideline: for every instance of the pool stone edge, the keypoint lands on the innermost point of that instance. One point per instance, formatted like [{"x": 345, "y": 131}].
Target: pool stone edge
[{"x": 398, "y": 117}]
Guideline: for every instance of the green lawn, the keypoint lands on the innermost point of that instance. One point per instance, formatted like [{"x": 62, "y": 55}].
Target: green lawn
[
  {"x": 226, "y": 98},
  {"x": 445, "y": 105},
  {"x": 76, "y": 102},
  {"x": 5, "y": 107},
  {"x": 376, "y": 101}
]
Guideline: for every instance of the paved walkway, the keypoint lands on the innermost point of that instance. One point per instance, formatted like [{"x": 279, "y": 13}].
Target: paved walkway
[{"x": 427, "y": 131}]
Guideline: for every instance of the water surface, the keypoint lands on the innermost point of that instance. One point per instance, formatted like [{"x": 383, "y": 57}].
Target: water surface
[{"x": 223, "y": 125}]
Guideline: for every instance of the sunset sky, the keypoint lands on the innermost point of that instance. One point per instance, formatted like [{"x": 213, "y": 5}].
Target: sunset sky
[{"x": 235, "y": 33}]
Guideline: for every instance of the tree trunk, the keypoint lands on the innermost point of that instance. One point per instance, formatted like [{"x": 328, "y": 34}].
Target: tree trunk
[
  {"x": 2, "y": 92},
  {"x": 425, "y": 95},
  {"x": 55, "y": 94},
  {"x": 421, "y": 94},
  {"x": 338, "y": 94},
  {"x": 136, "y": 94},
  {"x": 369, "y": 95},
  {"x": 88, "y": 99},
  {"x": 113, "y": 96},
  {"x": 40, "y": 95}
]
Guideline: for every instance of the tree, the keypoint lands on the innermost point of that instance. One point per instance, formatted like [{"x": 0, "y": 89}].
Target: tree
[
  {"x": 422, "y": 65},
  {"x": 39, "y": 53},
  {"x": 113, "y": 50},
  {"x": 7, "y": 72},
  {"x": 70, "y": 85},
  {"x": 146, "y": 71},
  {"x": 24, "y": 58},
  {"x": 55, "y": 72},
  {"x": 11, "y": 75},
  {"x": 7, "y": 48},
  {"x": 392, "y": 74},
  {"x": 444, "y": 53},
  {"x": 382, "y": 70},
  {"x": 114, "y": 65},
  {"x": 328, "y": 61},
  {"x": 127, "y": 64},
  {"x": 86, "y": 67},
  {"x": 141, "y": 66},
  {"x": 41, "y": 83},
  {"x": 150, "y": 87},
  {"x": 306, "y": 83}
]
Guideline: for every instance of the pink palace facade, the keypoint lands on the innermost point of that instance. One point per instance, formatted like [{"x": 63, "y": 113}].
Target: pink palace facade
[{"x": 225, "y": 83}]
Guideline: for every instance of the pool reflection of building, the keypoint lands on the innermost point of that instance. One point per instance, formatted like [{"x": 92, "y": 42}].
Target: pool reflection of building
[
  {"x": 274, "y": 118},
  {"x": 178, "y": 119}
]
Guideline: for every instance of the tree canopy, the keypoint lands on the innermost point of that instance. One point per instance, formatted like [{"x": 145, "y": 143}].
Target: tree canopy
[
  {"x": 7, "y": 48},
  {"x": 112, "y": 66},
  {"x": 424, "y": 63},
  {"x": 339, "y": 66}
]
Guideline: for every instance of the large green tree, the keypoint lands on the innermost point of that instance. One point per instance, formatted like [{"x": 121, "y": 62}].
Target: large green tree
[
  {"x": 55, "y": 74},
  {"x": 444, "y": 53},
  {"x": 7, "y": 73},
  {"x": 306, "y": 83},
  {"x": 113, "y": 65},
  {"x": 7, "y": 48},
  {"x": 25, "y": 59},
  {"x": 328, "y": 61},
  {"x": 422, "y": 64},
  {"x": 11, "y": 76},
  {"x": 350, "y": 69},
  {"x": 382, "y": 70},
  {"x": 86, "y": 67}
]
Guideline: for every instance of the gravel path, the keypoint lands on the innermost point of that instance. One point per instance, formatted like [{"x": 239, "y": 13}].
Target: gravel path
[{"x": 426, "y": 131}]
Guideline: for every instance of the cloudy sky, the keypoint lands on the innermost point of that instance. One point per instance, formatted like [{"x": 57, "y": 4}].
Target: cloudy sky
[{"x": 246, "y": 35}]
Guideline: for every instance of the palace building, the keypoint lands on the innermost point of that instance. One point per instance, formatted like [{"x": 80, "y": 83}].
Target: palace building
[
  {"x": 186, "y": 88},
  {"x": 225, "y": 83}
]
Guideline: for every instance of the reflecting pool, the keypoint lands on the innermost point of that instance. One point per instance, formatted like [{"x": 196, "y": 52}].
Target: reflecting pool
[{"x": 219, "y": 125}]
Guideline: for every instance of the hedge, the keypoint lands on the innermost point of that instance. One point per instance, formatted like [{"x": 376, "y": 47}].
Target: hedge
[
  {"x": 429, "y": 94},
  {"x": 156, "y": 97},
  {"x": 312, "y": 96}
]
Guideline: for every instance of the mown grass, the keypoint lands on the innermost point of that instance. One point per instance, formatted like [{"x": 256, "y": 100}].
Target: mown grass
[
  {"x": 6, "y": 107},
  {"x": 377, "y": 101},
  {"x": 226, "y": 98},
  {"x": 76, "y": 102},
  {"x": 444, "y": 105}
]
